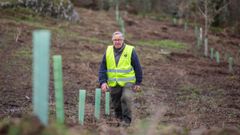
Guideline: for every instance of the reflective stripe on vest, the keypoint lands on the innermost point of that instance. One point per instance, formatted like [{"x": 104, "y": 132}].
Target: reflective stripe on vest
[
  {"x": 119, "y": 70},
  {"x": 123, "y": 72},
  {"x": 122, "y": 79}
]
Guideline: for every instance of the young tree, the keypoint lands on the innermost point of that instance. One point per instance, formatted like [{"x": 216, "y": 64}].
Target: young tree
[{"x": 209, "y": 9}]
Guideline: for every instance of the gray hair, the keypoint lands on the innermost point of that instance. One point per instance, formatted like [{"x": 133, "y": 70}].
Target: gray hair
[{"x": 118, "y": 33}]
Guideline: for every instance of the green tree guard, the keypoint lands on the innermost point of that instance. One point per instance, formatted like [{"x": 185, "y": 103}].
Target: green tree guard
[
  {"x": 217, "y": 57},
  {"x": 238, "y": 53},
  {"x": 201, "y": 34},
  {"x": 230, "y": 62},
  {"x": 196, "y": 31},
  {"x": 226, "y": 56},
  {"x": 97, "y": 103},
  {"x": 174, "y": 21},
  {"x": 206, "y": 47},
  {"x": 107, "y": 103},
  {"x": 211, "y": 53},
  {"x": 117, "y": 12},
  {"x": 198, "y": 42},
  {"x": 81, "y": 110},
  {"x": 57, "y": 68},
  {"x": 41, "y": 45},
  {"x": 185, "y": 26},
  {"x": 122, "y": 25}
]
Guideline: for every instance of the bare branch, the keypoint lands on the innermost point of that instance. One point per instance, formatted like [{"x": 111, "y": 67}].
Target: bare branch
[
  {"x": 19, "y": 31},
  {"x": 220, "y": 9},
  {"x": 202, "y": 12}
]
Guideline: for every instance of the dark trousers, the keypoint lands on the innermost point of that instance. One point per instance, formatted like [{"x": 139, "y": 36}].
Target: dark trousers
[{"x": 121, "y": 98}]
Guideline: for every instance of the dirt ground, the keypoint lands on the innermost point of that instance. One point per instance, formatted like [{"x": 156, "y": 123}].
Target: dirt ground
[{"x": 194, "y": 90}]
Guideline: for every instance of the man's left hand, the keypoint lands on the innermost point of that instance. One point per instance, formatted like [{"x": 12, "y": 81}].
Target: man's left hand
[{"x": 137, "y": 88}]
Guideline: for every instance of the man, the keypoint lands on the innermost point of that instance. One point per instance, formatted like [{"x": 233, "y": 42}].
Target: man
[{"x": 121, "y": 73}]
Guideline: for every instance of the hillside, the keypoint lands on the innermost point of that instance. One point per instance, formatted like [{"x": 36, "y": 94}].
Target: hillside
[{"x": 186, "y": 88}]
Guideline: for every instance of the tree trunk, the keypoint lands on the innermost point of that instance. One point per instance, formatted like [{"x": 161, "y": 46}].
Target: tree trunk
[
  {"x": 234, "y": 18},
  {"x": 206, "y": 28}
]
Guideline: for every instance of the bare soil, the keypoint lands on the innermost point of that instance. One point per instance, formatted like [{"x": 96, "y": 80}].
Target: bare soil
[{"x": 196, "y": 91}]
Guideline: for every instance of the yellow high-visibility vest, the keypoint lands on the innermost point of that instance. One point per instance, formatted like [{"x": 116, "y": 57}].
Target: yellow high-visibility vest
[{"x": 123, "y": 72}]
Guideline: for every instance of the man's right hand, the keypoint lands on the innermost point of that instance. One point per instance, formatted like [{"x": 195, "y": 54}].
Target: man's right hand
[{"x": 104, "y": 87}]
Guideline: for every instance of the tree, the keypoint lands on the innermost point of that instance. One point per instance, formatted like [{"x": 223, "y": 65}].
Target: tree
[
  {"x": 209, "y": 9},
  {"x": 233, "y": 17}
]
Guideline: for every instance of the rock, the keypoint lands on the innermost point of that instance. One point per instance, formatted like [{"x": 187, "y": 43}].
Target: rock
[
  {"x": 75, "y": 17},
  {"x": 56, "y": 8}
]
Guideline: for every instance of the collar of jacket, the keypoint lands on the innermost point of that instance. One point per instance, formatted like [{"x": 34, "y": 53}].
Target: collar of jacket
[{"x": 118, "y": 50}]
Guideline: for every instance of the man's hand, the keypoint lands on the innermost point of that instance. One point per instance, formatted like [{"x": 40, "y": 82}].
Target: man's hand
[
  {"x": 137, "y": 88},
  {"x": 104, "y": 87}
]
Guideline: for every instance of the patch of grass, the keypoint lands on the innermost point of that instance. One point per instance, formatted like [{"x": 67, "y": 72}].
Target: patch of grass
[
  {"x": 20, "y": 13},
  {"x": 128, "y": 36},
  {"x": 155, "y": 16},
  {"x": 64, "y": 33},
  {"x": 190, "y": 92},
  {"x": 93, "y": 40},
  {"x": 27, "y": 16},
  {"x": 10, "y": 1},
  {"x": 216, "y": 29},
  {"x": 166, "y": 44},
  {"x": 161, "y": 17},
  {"x": 6, "y": 39},
  {"x": 24, "y": 52},
  {"x": 86, "y": 54}
]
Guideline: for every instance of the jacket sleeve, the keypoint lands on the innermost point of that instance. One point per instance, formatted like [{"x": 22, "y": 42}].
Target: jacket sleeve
[
  {"x": 137, "y": 67},
  {"x": 102, "y": 74}
]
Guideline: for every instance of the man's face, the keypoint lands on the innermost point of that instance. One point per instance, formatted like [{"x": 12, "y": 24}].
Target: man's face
[{"x": 117, "y": 41}]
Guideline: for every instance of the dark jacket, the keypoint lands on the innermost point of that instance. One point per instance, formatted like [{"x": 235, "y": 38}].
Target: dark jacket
[{"x": 117, "y": 53}]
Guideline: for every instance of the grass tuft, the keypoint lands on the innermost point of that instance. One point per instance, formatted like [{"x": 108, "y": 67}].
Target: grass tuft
[{"x": 166, "y": 44}]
